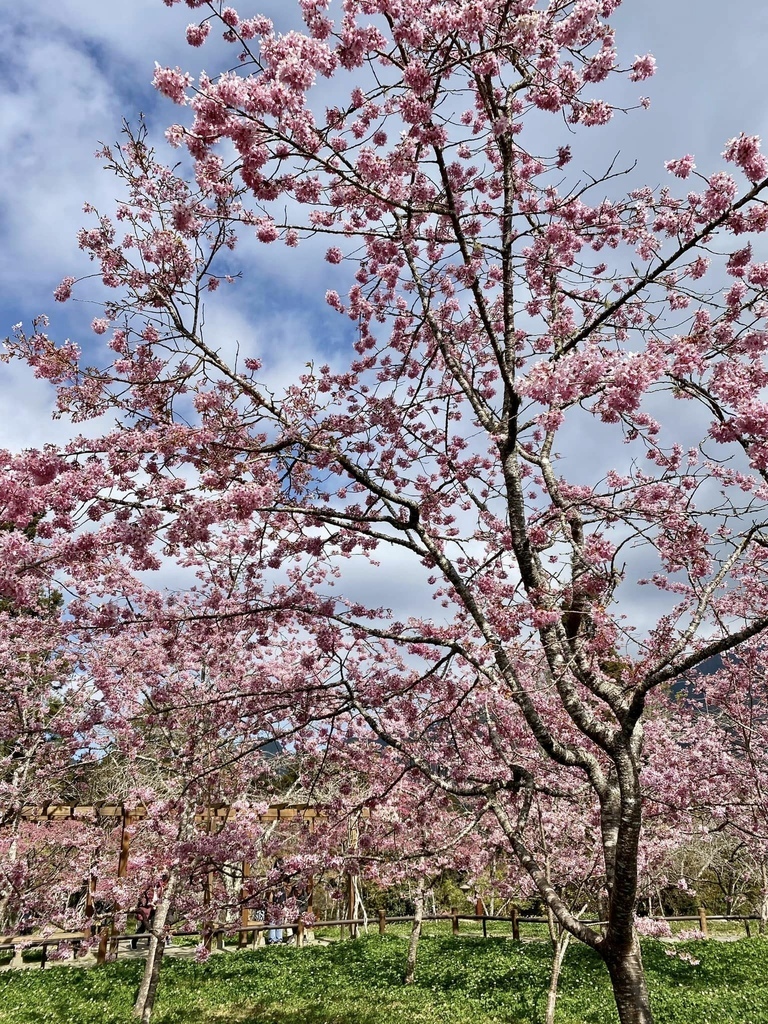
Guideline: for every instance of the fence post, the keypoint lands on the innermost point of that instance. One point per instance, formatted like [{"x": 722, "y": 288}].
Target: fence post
[
  {"x": 90, "y": 909},
  {"x": 480, "y": 912},
  {"x": 515, "y": 924},
  {"x": 703, "y": 922},
  {"x": 245, "y": 913},
  {"x": 455, "y": 920},
  {"x": 101, "y": 955},
  {"x": 122, "y": 871},
  {"x": 300, "y": 934},
  {"x": 125, "y": 845},
  {"x": 382, "y": 921}
]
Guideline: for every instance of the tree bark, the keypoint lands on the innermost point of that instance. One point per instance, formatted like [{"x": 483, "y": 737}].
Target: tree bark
[
  {"x": 559, "y": 947},
  {"x": 5, "y": 917},
  {"x": 145, "y": 1000},
  {"x": 763, "y": 899},
  {"x": 629, "y": 986},
  {"x": 413, "y": 945}
]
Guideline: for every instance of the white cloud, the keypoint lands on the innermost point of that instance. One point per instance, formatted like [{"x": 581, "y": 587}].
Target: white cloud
[
  {"x": 25, "y": 410},
  {"x": 49, "y": 170}
]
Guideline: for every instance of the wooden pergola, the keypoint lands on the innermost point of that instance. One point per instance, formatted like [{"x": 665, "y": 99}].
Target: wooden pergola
[
  {"x": 133, "y": 813},
  {"x": 128, "y": 815}
]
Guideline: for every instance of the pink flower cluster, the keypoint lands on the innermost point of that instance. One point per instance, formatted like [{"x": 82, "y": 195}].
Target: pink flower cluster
[
  {"x": 681, "y": 168},
  {"x": 197, "y": 34},
  {"x": 744, "y": 151},
  {"x": 642, "y": 68},
  {"x": 64, "y": 290},
  {"x": 653, "y": 927},
  {"x": 172, "y": 82}
]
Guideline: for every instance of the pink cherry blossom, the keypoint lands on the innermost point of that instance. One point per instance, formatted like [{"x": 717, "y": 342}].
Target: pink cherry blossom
[
  {"x": 744, "y": 151},
  {"x": 682, "y": 167},
  {"x": 64, "y": 290},
  {"x": 197, "y": 34},
  {"x": 172, "y": 82},
  {"x": 642, "y": 68}
]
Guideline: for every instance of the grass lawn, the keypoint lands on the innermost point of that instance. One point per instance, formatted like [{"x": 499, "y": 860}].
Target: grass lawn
[{"x": 458, "y": 981}]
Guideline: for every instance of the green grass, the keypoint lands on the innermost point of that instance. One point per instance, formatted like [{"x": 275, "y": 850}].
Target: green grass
[{"x": 458, "y": 981}]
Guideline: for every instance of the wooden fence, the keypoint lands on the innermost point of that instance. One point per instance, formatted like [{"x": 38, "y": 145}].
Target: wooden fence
[{"x": 248, "y": 934}]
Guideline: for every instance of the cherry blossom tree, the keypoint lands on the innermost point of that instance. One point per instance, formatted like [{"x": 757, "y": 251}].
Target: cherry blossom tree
[
  {"x": 541, "y": 429},
  {"x": 191, "y": 714},
  {"x": 413, "y": 832},
  {"x": 45, "y": 725},
  {"x": 734, "y": 713}
]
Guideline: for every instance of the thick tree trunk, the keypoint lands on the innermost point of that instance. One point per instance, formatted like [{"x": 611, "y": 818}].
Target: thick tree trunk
[
  {"x": 145, "y": 1000},
  {"x": 621, "y": 822},
  {"x": 629, "y": 986},
  {"x": 413, "y": 945}
]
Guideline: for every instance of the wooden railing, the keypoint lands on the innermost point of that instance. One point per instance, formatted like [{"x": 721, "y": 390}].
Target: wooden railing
[{"x": 248, "y": 933}]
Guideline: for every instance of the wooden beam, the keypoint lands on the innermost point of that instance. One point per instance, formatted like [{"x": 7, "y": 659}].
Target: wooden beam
[{"x": 119, "y": 812}]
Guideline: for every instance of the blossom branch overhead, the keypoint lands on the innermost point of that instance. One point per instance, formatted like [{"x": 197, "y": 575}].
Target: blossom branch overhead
[{"x": 500, "y": 405}]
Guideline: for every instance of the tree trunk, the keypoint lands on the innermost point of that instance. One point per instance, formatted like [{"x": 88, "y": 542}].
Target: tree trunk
[
  {"x": 145, "y": 1000},
  {"x": 763, "y": 899},
  {"x": 559, "y": 947},
  {"x": 629, "y": 987},
  {"x": 413, "y": 945},
  {"x": 358, "y": 906},
  {"x": 6, "y": 921}
]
